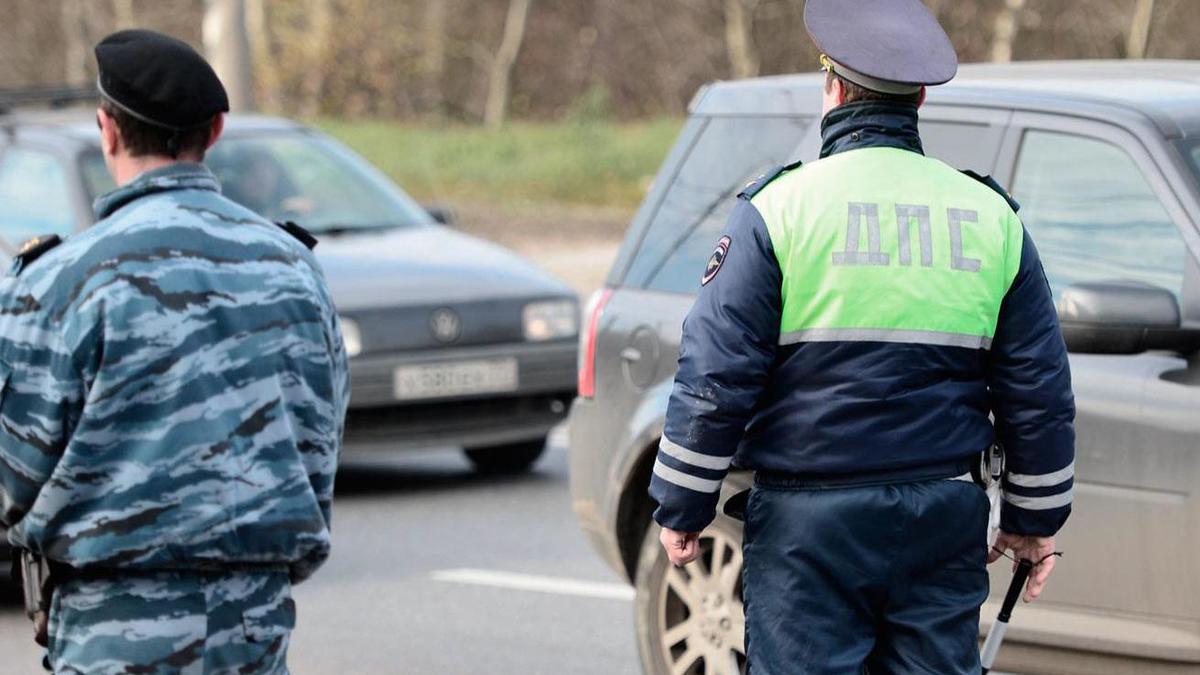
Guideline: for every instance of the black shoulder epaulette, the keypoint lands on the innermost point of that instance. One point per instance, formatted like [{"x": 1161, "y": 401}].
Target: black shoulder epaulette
[
  {"x": 755, "y": 186},
  {"x": 991, "y": 182},
  {"x": 302, "y": 235},
  {"x": 34, "y": 249}
]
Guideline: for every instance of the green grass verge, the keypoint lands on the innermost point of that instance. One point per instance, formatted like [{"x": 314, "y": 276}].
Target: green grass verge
[{"x": 594, "y": 164}]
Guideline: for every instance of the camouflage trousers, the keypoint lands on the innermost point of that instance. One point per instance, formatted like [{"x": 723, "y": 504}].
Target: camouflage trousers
[{"x": 174, "y": 623}]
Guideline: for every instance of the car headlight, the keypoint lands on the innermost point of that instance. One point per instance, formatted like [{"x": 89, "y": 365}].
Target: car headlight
[
  {"x": 551, "y": 320},
  {"x": 351, "y": 337}
]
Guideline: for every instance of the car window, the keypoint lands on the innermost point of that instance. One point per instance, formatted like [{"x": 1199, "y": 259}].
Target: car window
[
  {"x": 34, "y": 196},
  {"x": 1093, "y": 215},
  {"x": 304, "y": 177},
  {"x": 730, "y": 152},
  {"x": 962, "y": 145}
]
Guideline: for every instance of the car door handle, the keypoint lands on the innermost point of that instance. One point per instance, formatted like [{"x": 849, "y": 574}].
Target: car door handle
[{"x": 631, "y": 355}]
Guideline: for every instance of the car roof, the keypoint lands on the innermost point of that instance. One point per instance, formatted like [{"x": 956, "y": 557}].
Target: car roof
[
  {"x": 77, "y": 126},
  {"x": 1166, "y": 92}
]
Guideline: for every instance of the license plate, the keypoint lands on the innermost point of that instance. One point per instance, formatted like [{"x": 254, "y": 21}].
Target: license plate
[{"x": 458, "y": 378}]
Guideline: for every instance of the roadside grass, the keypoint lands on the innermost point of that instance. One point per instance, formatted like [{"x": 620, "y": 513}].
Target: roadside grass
[{"x": 590, "y": 163}]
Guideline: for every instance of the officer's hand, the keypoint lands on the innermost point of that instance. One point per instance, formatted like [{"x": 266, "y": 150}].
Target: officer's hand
[
  {"x": 682, "y": 547},
  {"x": 1027, "y": 548}
]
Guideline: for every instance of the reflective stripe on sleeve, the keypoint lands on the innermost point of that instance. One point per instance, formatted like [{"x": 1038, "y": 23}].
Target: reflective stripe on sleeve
[
  {"x": 920, "y": 337},
  {"x": 677, "y": 451},
  {"x": 683, "y": 480},
  {"x": 1039, "y": 503},
  {"x": 1031, "y": 480}
]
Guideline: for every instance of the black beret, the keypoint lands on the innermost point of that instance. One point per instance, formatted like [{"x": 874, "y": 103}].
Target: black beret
[
  {"x": 893, "y": 46},
  {"x": 159, "y": 80}
]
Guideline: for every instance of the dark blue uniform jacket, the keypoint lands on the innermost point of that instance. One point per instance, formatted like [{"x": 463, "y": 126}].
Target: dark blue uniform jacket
[{"x": 852, "y": 407}]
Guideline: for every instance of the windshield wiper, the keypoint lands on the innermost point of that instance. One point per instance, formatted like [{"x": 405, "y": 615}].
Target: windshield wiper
[{"x": 344, "y": 229}]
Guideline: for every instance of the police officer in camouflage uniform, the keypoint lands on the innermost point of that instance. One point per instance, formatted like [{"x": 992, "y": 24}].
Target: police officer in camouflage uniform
[
  {"x": 173, "y": 388},
  {"x": 862, "y": 317}
]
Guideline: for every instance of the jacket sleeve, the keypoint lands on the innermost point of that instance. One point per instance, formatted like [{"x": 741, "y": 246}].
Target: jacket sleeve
[
  {"x": 1030, "y": 385},
  {"x": 725, "y": 356},
  {"x": 41, "y": 396},
  {"x": 321, "y": 463}
]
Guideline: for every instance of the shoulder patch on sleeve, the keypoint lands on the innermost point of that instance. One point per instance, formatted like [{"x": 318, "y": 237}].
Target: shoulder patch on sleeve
[
  {"x": 716, "y": 260},
  {"x": 755, "y": 186},
  {"x": 32, "y": 250},
  {"x": 302, "y": 235},
  {"x": 991, "y": 182}
]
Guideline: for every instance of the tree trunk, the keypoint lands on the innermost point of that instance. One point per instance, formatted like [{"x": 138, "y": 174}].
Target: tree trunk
[
  {"x": 495, "y": 111},
  {"x": 1004, "y": 34},
  {"x": 228, "y": 47},
  {"x": 433, "y": 56},
  {"x": 1138, "y": 40},
  {"x": 739, "y": 42},
  {"x": 320, "y": 34},
  {"x": 123, "y": 14},
  {"x": 76, "y": 52}
]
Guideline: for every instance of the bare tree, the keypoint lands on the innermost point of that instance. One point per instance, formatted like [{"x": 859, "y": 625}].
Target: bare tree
[
  {"x": 739, "y": 42},
  {"x": 433, "y": 55},
  {"x": 320, "y": 34},
  {"x": 228, "y": 47},
  {"x": 495, "y": 111},
  {"x": 123, "y": 13},
  {"x": 1138, "y": 40},
  {"x": 1004, "y": 33},
  {"x": 76, "y": 41}
]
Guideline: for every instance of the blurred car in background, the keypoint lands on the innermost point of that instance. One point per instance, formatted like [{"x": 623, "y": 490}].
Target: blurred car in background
[
  {"x": 453, "y": 341},
  {"x": 1104, "y": 158}
]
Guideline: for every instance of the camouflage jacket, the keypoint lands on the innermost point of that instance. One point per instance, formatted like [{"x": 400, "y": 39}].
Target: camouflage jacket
[{"x": 173, "y": 388}]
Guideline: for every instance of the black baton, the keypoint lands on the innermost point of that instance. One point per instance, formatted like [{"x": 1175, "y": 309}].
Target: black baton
[{"x": 987, "y": 657}]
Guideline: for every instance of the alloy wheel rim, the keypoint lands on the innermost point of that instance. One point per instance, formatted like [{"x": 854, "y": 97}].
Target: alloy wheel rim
[{"x": 701, "y": 618}]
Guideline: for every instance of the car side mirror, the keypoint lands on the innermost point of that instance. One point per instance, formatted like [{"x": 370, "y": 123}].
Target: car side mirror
[
  {"x": 1123, "y": 317},
  {"x": 442, "y": 213}
]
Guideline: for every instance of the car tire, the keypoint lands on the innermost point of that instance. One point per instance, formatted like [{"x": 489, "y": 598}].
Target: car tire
[
  {"x": 506, "y": 459},
  {"x": 690, "y": 621}
]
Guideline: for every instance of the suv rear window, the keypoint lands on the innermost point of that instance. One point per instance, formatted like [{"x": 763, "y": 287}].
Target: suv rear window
[{"x": 729, "y": 153}]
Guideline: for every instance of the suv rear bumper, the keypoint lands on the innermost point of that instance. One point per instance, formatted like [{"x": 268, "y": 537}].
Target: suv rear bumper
[
  {"x": 590, "y": 475},
  {"x": 377, "y": 422}
]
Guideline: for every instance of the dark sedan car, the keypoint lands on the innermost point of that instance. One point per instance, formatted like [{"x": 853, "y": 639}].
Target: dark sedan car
[
  {"x": 1104, "y": 159},
  {"x": 453, "y": 341}
]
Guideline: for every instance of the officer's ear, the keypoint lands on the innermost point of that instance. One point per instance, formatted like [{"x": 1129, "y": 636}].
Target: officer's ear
[
  {"x": 836, "y": 89},
  {"x": 218, "y": 126},
  {"x": 110, "y": 134},
  {"x": 921, "y": 98}
]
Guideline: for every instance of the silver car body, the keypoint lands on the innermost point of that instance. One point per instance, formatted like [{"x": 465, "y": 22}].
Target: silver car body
[{"x": 1126, "y": 596}]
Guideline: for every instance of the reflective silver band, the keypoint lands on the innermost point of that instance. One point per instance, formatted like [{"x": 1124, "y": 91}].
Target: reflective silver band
[
  {"x": 1039, "y": 503},
  {"x": 685, "y": 481},
  {"x": 1031, "y": 480},
  {"x": 873, "y": 83},
  {"x": 919, "y": 337},
  {"x": 672, "y": 449}
]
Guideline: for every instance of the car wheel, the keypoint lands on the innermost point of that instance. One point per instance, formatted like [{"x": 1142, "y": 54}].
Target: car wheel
[
  {"x": 503, "y": 459},
  {"x": 690, "y": 620}
]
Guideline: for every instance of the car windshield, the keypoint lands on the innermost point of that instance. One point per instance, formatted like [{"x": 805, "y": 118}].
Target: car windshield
[{"x": 299, "y": 176}]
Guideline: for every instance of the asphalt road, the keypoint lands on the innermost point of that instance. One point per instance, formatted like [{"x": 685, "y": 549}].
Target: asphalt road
[{"x": 437, "y": 571}]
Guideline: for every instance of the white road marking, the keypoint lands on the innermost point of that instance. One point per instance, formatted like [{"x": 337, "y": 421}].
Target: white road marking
[{"x": 537, "y": 584}]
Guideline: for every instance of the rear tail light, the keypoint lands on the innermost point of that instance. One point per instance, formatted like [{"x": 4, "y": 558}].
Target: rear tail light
[{"x": 587, "y": 341}]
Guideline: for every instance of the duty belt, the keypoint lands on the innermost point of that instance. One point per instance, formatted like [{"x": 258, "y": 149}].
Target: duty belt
[{"x": 959, "y": 468}]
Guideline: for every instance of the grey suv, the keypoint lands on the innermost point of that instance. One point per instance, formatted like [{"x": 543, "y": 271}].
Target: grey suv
[{"x": 1104, "y": 158}]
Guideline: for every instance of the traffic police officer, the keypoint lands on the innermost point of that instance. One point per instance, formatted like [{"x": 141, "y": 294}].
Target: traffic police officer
[
  {"x": 173, "y": 387},
  {"x": 861, "y": 318}
]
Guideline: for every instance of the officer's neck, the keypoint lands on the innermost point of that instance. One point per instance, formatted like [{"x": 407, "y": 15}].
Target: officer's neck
[{"x": 125, "y": 169}]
